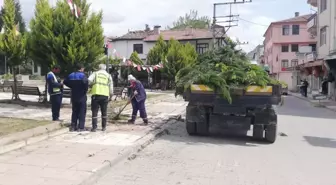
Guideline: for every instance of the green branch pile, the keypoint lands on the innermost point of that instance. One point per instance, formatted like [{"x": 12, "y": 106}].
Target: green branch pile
[{"x": 222, "y": 69}]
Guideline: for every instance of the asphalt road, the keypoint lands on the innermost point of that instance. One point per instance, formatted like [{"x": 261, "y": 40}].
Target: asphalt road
[{"x": 304, "y": 154}]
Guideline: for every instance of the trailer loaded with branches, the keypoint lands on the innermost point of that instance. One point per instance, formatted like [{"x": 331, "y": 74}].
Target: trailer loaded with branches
[{"x": 225, "y": 90}]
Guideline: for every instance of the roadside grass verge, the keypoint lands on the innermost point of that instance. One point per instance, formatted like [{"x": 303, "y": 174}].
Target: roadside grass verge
[{"x": 14, "y": 125}]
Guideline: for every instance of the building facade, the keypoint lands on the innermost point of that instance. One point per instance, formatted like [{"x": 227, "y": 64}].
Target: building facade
[
  {"x": 283, "y": 41},
  {"x": 323, "y": 25},
  {"x": 257, "y": 54},
  {"x": 142, "y": 41}
]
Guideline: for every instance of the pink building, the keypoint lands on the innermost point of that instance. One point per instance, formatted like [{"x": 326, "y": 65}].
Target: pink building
[{"x": 283, "y": 40}]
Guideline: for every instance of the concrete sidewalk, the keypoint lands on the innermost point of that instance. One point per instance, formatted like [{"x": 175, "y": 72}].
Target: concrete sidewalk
[
  {"x": 40, "y": 113},
  {"x": 76, "y": 158},
  {"x": 328, "y": 104}
]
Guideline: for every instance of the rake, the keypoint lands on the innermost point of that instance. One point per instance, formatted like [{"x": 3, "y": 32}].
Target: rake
[{"x": 122, "y": 109}]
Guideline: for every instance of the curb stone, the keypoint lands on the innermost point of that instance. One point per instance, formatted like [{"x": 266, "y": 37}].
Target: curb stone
[
  {"x": 306, "y": 99},
  {"x": 26, "y": 138},
  {"x": 131, "y": 153}
]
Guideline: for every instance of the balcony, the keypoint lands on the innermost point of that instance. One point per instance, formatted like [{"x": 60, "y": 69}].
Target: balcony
[
  {"x": 312, "y": 25},
  {"x": 310, "y": 57},
  {"x": 312, "y": 2}
]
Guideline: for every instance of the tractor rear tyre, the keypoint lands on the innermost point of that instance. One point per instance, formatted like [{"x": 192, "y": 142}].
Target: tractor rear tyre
[
  {"x": 271, "y": 132},
  {"x": 258, "y": 132},
  {"x": 202, "y": 128},
  {"x": 191, "y": 128}
]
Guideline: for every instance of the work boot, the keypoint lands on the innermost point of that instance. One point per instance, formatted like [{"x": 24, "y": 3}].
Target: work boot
[
  {"x": 104, "y": 129},
  {"x": 93, "y": 129},
  {"x": 81, "y": 130},
  {"x": 72, "y": 129},
  {"x": 145, "y": 120},
  {"x": 130, "y": 121}
]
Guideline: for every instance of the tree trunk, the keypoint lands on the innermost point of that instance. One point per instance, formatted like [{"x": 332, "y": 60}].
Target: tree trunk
[
  {"x": 16, "y": 96},
  {"x": 45, "y": 96}
]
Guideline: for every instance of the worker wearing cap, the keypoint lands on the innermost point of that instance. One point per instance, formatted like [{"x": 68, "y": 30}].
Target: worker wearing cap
[
  {"x": 55, "y": 90},
  {"x": 102, "y": 89},
  {"x": 78, "y": 83},
  {"x": 137, "y": 98}
]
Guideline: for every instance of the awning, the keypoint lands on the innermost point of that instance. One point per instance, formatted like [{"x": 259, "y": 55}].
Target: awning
[
  {"x": 313, "y": 64},
  {"x": 330, "y": 57}
]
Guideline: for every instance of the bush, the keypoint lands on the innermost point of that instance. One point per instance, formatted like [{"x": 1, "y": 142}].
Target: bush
[
  {"x": 36, "y": 77},
  {"x": 7, "y": 76}
]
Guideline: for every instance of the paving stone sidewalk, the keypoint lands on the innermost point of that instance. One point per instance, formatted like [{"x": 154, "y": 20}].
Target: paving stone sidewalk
[
  {"x": 328, "y": 104},
  {"x": 70, "y": 158},
  {"x": 33, "y": 112}
]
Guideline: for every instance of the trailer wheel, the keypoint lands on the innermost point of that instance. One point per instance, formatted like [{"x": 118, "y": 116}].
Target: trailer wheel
[
  {"x": 258, "y": 132},
  {"x": 202, "y": 128},
  {"x": 271, "y": 132},
  {"x": 191, "y": 128}
]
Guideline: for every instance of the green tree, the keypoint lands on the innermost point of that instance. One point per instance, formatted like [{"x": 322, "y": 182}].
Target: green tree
[
  {"x": 77, "y": 39},
  {"x": 64, "y": 37},
  {"x": 178, "y": 56},
  {"x": 40, "y": 38},
  {"x": 12, "y": 42},
  {"x": 136, "y": 59},
  {"x": 191, "y": 19},
  {"x": 158, "y": 53},
  {"x": 173, "y": 55},
  {"x": 18, "y": 17}
]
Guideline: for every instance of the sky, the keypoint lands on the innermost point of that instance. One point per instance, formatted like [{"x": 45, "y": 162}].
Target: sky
[{"x": 123, "y": 15}]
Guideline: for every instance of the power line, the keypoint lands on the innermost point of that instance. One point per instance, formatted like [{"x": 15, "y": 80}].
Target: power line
[
  {"x": 258, "y": 24},
  {"x": 229, "y": 18}
]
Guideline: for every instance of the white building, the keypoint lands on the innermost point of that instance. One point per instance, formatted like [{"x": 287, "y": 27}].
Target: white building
[
  {"x": 257, "y": 54},
  {"x": 142, "y": 41},
  {"x": 323, "y": 26}
]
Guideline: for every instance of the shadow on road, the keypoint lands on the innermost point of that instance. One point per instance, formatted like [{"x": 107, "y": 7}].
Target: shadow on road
[
  {"x": 321, "y": 141},
  {"x": 296, "y": 107},
  {"x": 177, "y": 133}
]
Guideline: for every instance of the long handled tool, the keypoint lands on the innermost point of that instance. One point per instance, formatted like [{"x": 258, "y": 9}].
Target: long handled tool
[{"x": 121, "y": 110}]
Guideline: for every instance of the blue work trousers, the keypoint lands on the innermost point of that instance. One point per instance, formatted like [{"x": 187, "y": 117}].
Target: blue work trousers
[
  {"x": 78, "y": 114},
  {"x": 138, "y": 106},
  {"x": 56, "y": 102}
]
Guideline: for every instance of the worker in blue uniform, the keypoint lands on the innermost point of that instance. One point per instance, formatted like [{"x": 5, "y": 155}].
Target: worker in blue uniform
[
  {"x": 137, "y": 97},
  {"x": 78, "y": 83},
  {"x": 55, "y": 90}
]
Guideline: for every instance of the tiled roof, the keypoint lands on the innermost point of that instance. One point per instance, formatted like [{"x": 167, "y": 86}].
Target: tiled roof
[
  {"x": 302, "y": 18},
  {"x": 140, "y": 34},
  {"x": 186, "y": 34}
]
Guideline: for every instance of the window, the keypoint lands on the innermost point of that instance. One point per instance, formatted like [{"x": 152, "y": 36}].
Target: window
[
  {"x": 284, "y": 63},
  {"x": 294, "y": 62},
  {"x": 284, "y": 48},
  {"x": 201, "y": 48},
  {"x": 285, "y": 30},
  {"x": 295, "y": 29},
  {"x": 323, "y": 36},
  {"x": 138, "y": 48},
  {"x": 295, "y": 48},
  {"x": 313, "y": 46},
  {"x": 323, "y": 5}
]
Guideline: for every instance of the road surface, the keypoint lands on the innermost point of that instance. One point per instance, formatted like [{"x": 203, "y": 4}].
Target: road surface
[{"x": 304, "y": 154}]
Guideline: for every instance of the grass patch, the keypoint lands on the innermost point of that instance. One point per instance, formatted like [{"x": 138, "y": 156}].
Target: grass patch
[{"x": 13, "y": 125}]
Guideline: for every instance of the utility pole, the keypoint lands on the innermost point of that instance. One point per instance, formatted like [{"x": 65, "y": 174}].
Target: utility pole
[{"x": 228, "y": 19}]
